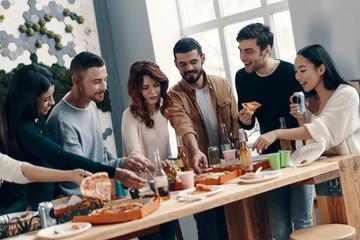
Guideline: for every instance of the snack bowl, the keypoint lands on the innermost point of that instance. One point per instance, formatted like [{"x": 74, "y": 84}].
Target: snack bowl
[{"x": 152, "y": 185}]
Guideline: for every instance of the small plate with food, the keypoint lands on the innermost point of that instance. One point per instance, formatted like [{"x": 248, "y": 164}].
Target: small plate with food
[
  {"x": 13, "y": 217},
  {"x": 306, "y": 154},
  {"x": 63, "y": 230},
  {"x": 259, "y": 177},
  {"x": 201, "y": 191}
]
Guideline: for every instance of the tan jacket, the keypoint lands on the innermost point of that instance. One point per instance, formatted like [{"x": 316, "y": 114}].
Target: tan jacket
[{"x": 185, "y": 115}]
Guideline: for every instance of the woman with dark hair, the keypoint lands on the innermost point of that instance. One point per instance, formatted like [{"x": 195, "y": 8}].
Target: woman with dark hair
[
  {"x": 21, "y": 172},
  {"x": 332, "y": 116},
  {"x": 29, "y": 98},
  {"x": 145, "y": 125}
]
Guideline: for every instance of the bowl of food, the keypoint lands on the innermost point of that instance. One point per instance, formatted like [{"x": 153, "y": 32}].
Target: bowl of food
[{"x": 152, "y": 185}]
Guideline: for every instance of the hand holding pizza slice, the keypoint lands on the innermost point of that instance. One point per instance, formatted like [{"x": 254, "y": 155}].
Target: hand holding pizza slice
[
  {"x": 97, "y": 186},
  {"x": 251, "y": 106}
]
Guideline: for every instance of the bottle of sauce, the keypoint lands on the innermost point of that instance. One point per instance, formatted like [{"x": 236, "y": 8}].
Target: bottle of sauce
[
  {"x": 285, "y": 144},
  {"x": 182, "y": 159},
  {"x": 244, "y": 153},
  {"x": 160, "y": 179}
]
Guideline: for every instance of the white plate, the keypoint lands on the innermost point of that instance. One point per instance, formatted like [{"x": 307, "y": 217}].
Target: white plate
[
  {"x": 7, "y": 218},
  {"x": 264, "y": 176},
  {"x": 64, "y": 230},
  {"x": 309, "y": 152},
  {"x": 185, "y": 193}
]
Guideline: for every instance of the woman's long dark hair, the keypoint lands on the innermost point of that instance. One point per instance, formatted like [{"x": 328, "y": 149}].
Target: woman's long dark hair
[
  {"x": 318, "y": 55},
  {"x": 3, "y": 129},
  {"x": 134, "y": 86},
  {"x": 27, "y": 84}
]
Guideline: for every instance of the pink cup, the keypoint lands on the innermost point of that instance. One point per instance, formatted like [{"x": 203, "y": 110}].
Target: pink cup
[
  {"x": 229, "y": 155},
  {"x": 187, "y": 179}
]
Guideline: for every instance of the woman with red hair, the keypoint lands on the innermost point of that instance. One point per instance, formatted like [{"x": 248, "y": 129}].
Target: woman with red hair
[{"x": 145, "y": 124}]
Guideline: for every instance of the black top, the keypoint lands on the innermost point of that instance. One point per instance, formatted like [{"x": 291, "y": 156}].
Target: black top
[
  {"x": 273, "y": 93},
  {"x": 38, "y": 149}
]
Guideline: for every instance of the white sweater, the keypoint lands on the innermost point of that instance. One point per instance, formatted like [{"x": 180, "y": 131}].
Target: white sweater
[
  {"x": 10, "y": 170},
  {"x": 338, "y": 125},
  {"x": 140, "y": 140}
]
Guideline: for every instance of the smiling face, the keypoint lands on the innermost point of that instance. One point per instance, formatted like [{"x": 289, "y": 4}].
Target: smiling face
[
  {"x": 309, "y": 76},
  {"x": 150, "y": 90},
  {"x": 93, "y": 83},
  {"x": 251, "y": 55},
  {"x": 190, "y": 65},
  {"x": 45, "y": 101}
]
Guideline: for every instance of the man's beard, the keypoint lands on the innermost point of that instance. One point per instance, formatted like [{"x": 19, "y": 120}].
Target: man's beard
[{"x": 192, "y": 79}]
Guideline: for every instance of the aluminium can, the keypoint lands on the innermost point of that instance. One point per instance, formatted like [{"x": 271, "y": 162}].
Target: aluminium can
[
  {"x": 214, "y": 155},
  {"x": 299, "y": 98},
  {"x": 47, "y": 214}
]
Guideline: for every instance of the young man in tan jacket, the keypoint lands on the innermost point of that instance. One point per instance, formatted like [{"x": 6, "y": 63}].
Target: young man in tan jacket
[{"x": 201, "y": 103}]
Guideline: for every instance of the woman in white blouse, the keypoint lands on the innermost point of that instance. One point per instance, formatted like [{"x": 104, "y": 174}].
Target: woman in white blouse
[
  {"x": 145, "y": 125},
  {"x": 333, "y": 113}
]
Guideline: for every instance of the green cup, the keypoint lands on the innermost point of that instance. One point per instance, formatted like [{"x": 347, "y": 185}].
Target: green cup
[
  {"x": 274, "y": 160},
  {"x": 284, "y": 157}
]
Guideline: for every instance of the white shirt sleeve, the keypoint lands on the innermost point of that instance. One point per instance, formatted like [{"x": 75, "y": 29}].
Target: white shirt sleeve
[
  {"x": 337, "y": 122},
  {"x": 10, "y": 170}
]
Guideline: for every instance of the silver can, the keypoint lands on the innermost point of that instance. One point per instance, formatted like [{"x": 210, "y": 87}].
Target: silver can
[
  {"x": 299, "y": 98},
  {"x": 47, "y": 214}
]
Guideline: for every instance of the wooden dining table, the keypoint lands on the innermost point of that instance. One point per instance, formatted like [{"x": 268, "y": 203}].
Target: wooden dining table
[{"x": 245, "y": 206}]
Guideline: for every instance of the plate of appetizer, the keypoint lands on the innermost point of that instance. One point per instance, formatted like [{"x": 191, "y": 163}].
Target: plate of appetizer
[
  {"x": 259, "y": 177},
  {"x": 201, "y": 191},
  {"x": 64, "y": 230}
]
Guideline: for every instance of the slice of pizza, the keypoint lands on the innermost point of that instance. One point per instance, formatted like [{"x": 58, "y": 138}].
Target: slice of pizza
[
  {"x": 97, "y": 186},
  {"x": 251, "y": 106}
]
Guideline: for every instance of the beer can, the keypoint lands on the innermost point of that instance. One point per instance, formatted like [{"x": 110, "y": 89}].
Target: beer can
[
  {"x": 47, "y": 214},
  {"x": 299, "y": 98},
  {"x": 214, "y": 155}
]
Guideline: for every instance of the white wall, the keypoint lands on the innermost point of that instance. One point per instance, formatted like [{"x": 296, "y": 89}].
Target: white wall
[
  {"x": 333, "y": 24},
  {"x": 165, "y": 32}
]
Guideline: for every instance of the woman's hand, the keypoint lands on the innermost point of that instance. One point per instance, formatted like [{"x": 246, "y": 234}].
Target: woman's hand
[
  {"x": 169, "y": 167},
  {"x": 300, "y": 117},
  {"x": 77, "y": 175},
  {"x": 264, "y": 141}
]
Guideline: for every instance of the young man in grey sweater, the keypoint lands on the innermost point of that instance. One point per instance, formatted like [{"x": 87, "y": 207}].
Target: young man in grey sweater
[{"x": 74, "y": 122}]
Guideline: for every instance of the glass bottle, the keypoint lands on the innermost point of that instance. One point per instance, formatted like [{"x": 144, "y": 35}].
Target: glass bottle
[
  {"x": 244, "y": 152},
  {"x": 160, "y": 179},
  {"x": 182, "y": 159},
  {"x": 284, "y": 144},
  {"x": 225, "y": 142}
]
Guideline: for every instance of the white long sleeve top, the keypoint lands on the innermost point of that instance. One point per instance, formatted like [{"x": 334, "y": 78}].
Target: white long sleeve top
[
  {"x": 337, "y": 127},
  {"x": 139, "y": 140},
  {"x": 10, "y": 170}
]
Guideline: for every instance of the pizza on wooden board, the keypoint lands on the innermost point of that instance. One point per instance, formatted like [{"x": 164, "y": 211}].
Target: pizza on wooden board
[
  {"x": 251, "y": 106},
  {"x": 97, "y": 186}
]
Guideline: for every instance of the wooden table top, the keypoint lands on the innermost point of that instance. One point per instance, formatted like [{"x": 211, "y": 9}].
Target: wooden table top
[{"x": 174, "y": 209}]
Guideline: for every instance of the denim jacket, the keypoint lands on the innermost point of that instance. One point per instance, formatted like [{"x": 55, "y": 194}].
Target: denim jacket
[{"x": 185, "y": 115}]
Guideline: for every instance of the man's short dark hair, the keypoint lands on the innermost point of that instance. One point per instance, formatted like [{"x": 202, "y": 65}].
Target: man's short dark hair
[
  {"x": 185, "y": 45},
  {"x": 257, "y": 31},
  {"x": 84, "y": 61}
]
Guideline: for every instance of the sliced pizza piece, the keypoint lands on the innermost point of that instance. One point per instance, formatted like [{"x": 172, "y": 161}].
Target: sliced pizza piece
[
  {"x": 97, "y": 186},
  {"x": 251, "y": 106}
]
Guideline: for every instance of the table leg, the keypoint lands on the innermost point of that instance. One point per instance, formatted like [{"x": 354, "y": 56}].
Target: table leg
[
  {"x": 248, "y": 219},
  {"x": 339, "y": 199}
]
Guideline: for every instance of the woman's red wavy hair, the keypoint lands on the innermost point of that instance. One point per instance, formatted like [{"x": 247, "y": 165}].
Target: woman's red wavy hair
[{"x": 134, "y": 87}]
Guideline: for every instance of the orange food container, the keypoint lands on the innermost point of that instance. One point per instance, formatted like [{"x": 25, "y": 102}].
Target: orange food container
[{"x": 150, "y": 205}]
